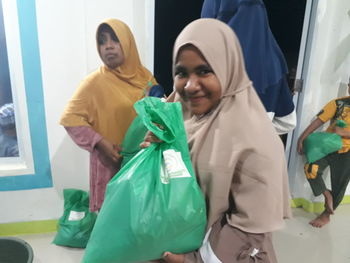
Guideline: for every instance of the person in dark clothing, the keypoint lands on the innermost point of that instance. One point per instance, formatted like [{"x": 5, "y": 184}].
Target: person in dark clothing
[{"x": 264, "y": 61}]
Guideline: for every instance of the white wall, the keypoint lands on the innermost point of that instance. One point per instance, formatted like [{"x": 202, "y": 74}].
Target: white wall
[
  {"x": 67, "y": 48},
  {"x": 325, "y": 79},
  {"x": 68, "y": 53}
]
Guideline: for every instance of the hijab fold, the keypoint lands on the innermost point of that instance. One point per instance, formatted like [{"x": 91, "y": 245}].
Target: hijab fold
[
  {"x": 104, "y": 100},
  {"x": 236, "y": 153}
]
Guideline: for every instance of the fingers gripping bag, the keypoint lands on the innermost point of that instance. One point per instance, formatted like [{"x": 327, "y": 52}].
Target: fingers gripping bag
[{"x": 153, "y": 204}]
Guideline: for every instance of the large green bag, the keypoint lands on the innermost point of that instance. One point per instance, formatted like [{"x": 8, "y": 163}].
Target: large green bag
[
  {"x": 154, "y": 203},
  {"x": 77, "y": 222},
  {"x": 319, "y": 144}
]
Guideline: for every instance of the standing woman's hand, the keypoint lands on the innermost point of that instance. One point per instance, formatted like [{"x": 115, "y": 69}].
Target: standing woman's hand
[{"x": 110, "y": 152}]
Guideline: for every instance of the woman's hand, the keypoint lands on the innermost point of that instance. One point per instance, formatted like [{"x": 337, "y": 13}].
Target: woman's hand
[
  {"x": 173, "y": 258},
  {"x": 110, "y": 152}
]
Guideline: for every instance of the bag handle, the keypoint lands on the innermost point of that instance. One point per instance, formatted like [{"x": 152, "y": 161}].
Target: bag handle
[{"x": 160, "y": 117}]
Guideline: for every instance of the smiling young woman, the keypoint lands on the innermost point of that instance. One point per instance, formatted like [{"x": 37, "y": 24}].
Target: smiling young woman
[{"x": 237, "y": 156}]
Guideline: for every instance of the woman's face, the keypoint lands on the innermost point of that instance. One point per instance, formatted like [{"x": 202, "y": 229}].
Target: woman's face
[
  {"x": 110, "y": 50},
  {"x": 196, "y": 82}
]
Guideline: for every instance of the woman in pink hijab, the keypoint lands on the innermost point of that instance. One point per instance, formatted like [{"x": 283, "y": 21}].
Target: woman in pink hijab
[{"x": 235, "y": 151}]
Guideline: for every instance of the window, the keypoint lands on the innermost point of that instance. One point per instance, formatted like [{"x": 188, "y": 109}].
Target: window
[
  {"x": 8, "y": 137},
  {"x": 22, "y": 71}
]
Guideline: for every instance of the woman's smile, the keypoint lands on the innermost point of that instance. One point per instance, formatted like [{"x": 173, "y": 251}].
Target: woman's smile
[{"x": 196, "y": 99}]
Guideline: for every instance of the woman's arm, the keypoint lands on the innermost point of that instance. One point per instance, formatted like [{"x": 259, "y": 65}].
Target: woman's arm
[
  {"x": 84, "y": 136},
  {"x": 88, "y": 139}
]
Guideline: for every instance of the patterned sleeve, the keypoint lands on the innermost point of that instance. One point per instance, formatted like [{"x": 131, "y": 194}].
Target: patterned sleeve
[
  {"x": 84, "y": 137},
  {"x": 328, "y": 111}
]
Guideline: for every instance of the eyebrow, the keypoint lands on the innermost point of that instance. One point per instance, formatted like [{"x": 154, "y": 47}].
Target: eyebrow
[
  {"x": 199, "y": 67},
  {"x": 204, "y": 66},
  {"x": 179, "y": 67}
]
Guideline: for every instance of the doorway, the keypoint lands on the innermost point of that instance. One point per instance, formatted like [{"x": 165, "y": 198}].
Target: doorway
[
  {"x": 286, "y": 19},
  {"x": 171, "y": 16}
]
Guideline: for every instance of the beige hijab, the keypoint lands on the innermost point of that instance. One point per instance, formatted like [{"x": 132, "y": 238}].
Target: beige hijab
[
  {"x": 105, "y": 99},
  {"x": 237, "y": 155}
]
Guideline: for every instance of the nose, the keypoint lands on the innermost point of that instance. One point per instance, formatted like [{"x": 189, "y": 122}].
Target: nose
[
  {"x": 109, "y": 44},
  {"x": 192, "y": 84}
]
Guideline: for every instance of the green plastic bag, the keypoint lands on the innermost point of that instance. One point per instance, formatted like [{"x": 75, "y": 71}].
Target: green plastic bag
[
  {"x": 77, "y": 222},
  {"x": 133, "y": 137},
  {"x": 154, "y": 203},
  {"x": 341, "y": 123},
  {"x": 319, "y": 144}
]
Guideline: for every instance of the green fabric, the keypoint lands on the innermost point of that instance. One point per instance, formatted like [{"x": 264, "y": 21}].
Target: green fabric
[
  {"x": 148, "y": 208},
  {"x": 77, "y": 222},
  {"x": 341, "y": 123},
  {"x": 319, "y": 144}
]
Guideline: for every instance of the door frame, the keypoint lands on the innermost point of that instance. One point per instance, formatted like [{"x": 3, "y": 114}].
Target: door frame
[{"x": 302, "y": 68}]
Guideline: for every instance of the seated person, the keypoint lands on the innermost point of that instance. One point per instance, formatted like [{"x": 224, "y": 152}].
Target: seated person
[{"x": 337, "y": 109}]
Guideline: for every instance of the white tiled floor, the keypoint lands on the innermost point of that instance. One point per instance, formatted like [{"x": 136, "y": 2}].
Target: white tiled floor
[{"x": 298, "y": 242}]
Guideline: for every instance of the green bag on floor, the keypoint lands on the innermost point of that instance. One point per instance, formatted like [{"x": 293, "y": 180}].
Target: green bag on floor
[
  {"x": 153, "y": 204},
  {"x": 77, "y": 222}
]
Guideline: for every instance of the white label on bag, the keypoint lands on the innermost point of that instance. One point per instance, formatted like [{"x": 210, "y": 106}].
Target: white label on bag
[
  {"x": 75, "y": 216},
  {"x": 163, "y": 174},
  {"x": 173, "y": 167}
]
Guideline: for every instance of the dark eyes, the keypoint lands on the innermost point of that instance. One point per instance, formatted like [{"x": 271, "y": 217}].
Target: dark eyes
[
  {"x": 180, "y": 74},
  {"x": 102, "y": 39},
  {"x": 205, "y": 71},
  {"x": 201, "y": 72}
]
